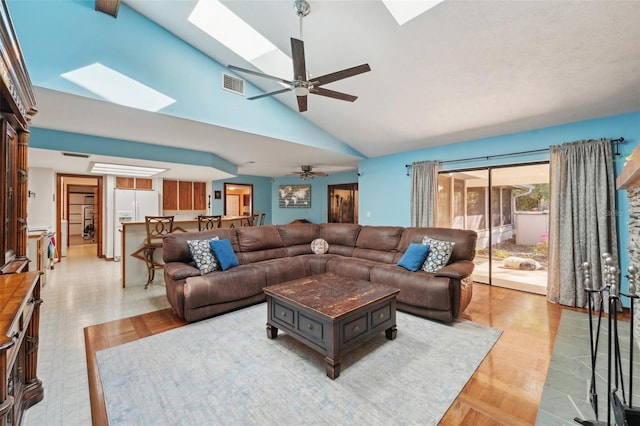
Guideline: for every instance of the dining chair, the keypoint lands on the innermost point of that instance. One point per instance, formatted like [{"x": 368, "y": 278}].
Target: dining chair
[
  {"x": 209, "y": 222},
  {"x": 157, "y": 228}
]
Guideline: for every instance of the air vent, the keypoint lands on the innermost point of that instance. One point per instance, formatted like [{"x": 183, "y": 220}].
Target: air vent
[
  {"x": 233, "y": 84},
  {"x": 73, "y": 154}
]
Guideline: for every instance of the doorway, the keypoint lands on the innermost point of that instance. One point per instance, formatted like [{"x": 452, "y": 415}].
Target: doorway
[
  {"x": 343, "y": 203},
  {"x": 508, "y": 206},
  {"x": 238, "y": 199},
  {"x": 81, "y": 214},
  {"x": 79, "y": 208}
]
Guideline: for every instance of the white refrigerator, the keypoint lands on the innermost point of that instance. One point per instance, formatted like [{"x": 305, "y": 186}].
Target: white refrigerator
[{"x": 131, "y": 205}]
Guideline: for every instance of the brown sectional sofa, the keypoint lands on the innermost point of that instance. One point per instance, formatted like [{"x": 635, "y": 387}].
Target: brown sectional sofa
[{"x": 272, "y": 254}]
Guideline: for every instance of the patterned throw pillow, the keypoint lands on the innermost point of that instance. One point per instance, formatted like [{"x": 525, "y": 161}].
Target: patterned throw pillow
[
  {"x": 319, "y": 246},
  {"x": 439, "y": 254},
  {"x": 202, "y": 255}
]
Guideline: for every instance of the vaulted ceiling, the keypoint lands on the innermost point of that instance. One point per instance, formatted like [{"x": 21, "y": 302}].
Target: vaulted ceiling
[{"x": 460, "y": 71}]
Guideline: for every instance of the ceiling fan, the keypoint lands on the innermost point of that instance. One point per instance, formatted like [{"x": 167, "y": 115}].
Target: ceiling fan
[
  {"x": 301, "y": 84},
  {"x": 306, "y": 173}
]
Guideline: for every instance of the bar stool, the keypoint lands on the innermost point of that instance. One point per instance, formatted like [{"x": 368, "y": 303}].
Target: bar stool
[
  {"x": 209, "y": 222},
  {"x": 250, "y": 220},
  {"x": 157, "y": 228},
  {"x": 262, "y": 218}
]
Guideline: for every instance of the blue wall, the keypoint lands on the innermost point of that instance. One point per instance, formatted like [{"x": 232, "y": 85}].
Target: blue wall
[
  {"x": 261, "y": 194},
  {"x": 265, "y": 196},
  {"x": 318, "y": 213},
  {"x": 385, "y": 187}
]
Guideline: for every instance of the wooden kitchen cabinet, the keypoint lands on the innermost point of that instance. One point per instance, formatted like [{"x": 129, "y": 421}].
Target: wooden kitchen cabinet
[
  {"x": 199, "y": 195},
  {"x": 184, "y": 195},
  {"x": 133, "y": 183},
  {"x": 144, "y": 183},
  {"x": 169, "y": 194},
  {"x": 125, "y": 182}
]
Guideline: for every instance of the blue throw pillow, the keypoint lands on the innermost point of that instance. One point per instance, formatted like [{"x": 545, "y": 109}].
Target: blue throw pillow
[
  {"x": 414, "y": 257},
  {"x": 224, "y": 253}
]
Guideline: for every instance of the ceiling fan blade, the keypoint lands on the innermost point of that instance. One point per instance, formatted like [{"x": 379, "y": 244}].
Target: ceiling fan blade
[
  {"x": 319, "y": 173},
  {"x": 297, "y": 55},
  {"x": 302, "y": 103},
  {"x": 333, "y": 94},
  {"x": 275, "y": 92},
  {"x": 339, "y": 75},
  {"x": 259, "y": 74}
]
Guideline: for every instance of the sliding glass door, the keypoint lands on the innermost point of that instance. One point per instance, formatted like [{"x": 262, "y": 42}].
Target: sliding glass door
[{"x": 508, "y": 207}]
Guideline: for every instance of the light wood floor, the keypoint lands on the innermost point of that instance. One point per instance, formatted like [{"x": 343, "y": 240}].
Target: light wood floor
[{"x": 506, "y": 389}]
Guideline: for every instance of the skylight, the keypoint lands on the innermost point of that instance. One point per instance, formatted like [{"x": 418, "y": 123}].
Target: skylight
[
  {"x": 226, "y": 27},
  {"x": 118, "y": 88},
  {"x": 405, "y": 10}
]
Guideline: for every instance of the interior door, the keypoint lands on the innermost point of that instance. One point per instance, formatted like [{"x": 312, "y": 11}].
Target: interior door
[{"x": 232, "y": 205}]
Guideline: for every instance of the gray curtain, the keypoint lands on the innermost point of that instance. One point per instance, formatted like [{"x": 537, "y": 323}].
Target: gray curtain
[
  {"x": 424, "y": 193},
  {"x": 582, "y": 217}
]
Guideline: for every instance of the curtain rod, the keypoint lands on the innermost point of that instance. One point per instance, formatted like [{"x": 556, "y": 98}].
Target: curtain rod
[{"x": 617, "y": 142}]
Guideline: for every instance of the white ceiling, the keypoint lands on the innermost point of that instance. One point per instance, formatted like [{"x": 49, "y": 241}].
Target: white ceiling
[{"x": 463, "y": 70}]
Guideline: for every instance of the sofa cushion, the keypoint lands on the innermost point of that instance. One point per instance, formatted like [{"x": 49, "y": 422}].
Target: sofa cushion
[
  {"x": 382, "y": 238},
  {"x": 218, "y": 287},
  {"x": 296, "y": 237},
  {"x": 298, "y": 233},
  {"x": 224, "y": 254},
  {"x": 414, "y": 257},
  {"x": 202, "y": 255},
  {"x": 344, "y": 234},
  {"x": 351, "y": 267},
  {"x": 254, "y": 238},
  {"x": 285, "y": 269},
  {"x": 378, "y": 243},
  {"x": 439, "y": 254},
  {"x": 258, "y": 243},
  {"x": 416, "y": 288}
]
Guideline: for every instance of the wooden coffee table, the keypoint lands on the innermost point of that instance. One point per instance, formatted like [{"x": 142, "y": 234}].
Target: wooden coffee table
[{"x": 331, "y": 313}]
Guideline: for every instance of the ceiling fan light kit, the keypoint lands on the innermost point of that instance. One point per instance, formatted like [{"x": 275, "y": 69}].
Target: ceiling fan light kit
[{"x": 301, "y": 85}]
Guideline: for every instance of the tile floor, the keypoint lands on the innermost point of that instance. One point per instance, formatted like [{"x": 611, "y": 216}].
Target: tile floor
[{"x": 82, "y": 290}]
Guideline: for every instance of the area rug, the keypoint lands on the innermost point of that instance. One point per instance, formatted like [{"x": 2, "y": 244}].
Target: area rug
[
  {"x": 226, "y": 371},
  {"x": 567, "y": 386}
]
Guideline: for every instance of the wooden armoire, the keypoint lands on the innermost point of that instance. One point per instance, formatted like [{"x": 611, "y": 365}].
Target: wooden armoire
[{"x": 20, "y": 300}]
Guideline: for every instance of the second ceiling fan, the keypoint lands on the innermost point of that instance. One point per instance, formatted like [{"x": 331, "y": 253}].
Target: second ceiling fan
[{"x": 301, "y": 84}]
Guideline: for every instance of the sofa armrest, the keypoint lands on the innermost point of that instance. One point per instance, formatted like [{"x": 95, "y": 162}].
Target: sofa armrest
[
  {"x": 180, "y": 271},
  {"x": 456, "y": 270}
]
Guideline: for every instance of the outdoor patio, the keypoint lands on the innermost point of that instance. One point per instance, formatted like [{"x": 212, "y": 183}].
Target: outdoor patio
[{"x": 529, "y": 281}]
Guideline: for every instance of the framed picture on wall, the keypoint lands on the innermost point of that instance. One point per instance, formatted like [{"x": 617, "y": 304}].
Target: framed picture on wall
[
  {"x": 294, "y": 196},
  {"x": 217, "y": 195}
]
